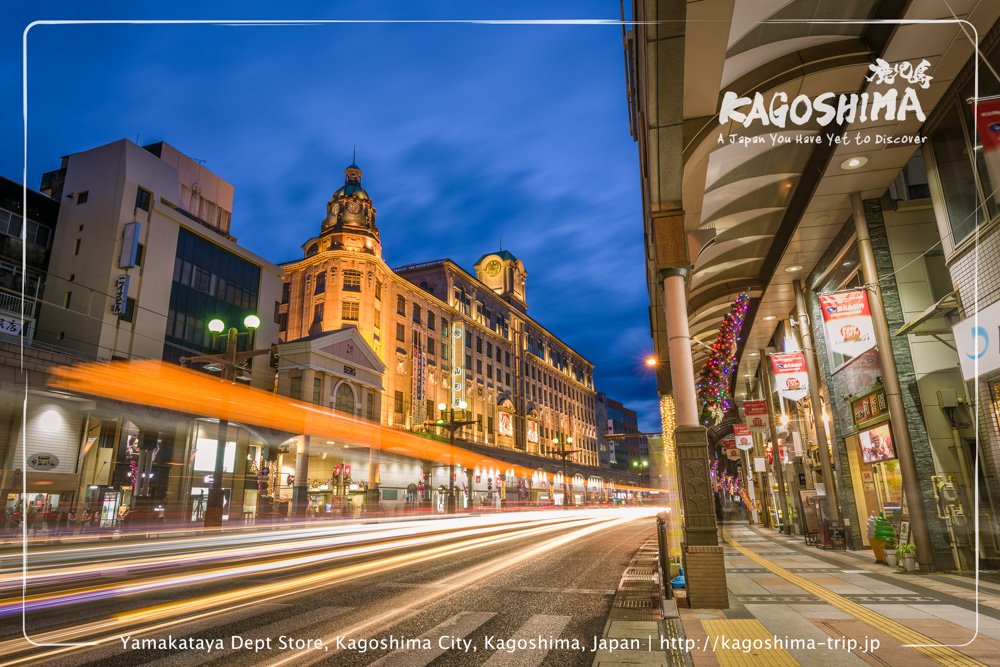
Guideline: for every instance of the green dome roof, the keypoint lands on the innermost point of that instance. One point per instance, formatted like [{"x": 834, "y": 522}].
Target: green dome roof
[{"x": 502, "y": 254}]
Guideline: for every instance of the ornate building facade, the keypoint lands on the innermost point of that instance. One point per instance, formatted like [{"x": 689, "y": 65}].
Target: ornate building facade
[{"x": 443, "y": 334}]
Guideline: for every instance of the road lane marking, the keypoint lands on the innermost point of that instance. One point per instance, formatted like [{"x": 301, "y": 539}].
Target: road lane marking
[
  {"x": 539, "y": 625},
  {"x": 944, "y": 655},
  {"x": 459, "y": 626}
]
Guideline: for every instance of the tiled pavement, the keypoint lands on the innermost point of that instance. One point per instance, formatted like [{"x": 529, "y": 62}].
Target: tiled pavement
[{"x": 816, "y": 601}]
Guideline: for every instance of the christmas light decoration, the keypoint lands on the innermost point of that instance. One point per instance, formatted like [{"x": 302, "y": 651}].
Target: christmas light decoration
[{"x": 714, "y": 398}]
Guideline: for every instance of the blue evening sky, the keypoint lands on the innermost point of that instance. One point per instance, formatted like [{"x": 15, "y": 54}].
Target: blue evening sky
[{"x": 464, "y": 133}]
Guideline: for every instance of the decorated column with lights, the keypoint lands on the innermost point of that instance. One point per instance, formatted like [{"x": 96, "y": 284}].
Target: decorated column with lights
[{"x": 714, "y": 399}]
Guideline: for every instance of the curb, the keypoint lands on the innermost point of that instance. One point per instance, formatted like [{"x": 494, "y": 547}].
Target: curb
[{"x": 643, "y": 626}]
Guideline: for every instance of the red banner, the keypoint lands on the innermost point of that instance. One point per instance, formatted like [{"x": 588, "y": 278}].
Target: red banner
[
  {"x": 744, "y": 439},
  {"x": 729, "y": 448},
  {"x": 790, "y": 375},
  {"x": 755, "y": 413},
  {"x": 988, "y": 128},
  {"x": 848, "y": 319}
]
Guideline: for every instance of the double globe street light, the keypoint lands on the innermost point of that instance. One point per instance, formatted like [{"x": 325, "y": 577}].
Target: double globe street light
[
  {"x": 453, "y": 426},
  {"x": 229, "y": 361},
  {"x": 564, "y": 454}
]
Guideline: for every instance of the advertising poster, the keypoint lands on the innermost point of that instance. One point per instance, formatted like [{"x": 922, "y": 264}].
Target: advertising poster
[
  {"x": 505, "y": 424},
  {"x": 755, "y": 416},
  {"x": 988, "y": 127},
  {"x": 730, "y": 450},
  {"x": 848, "y": 322},
  {"x": 743, "y": 436},
  {"x": 532, "y": 431},
  {"x": 877, "y": 444},
  {"x": 790, "y": 377}
]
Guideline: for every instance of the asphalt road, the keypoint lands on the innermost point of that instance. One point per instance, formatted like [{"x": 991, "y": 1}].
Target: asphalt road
[{"x": 462, "y": 605}]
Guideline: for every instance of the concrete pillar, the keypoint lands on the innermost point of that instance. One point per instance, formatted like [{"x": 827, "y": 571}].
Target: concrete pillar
[
  {"x": 893, "y": 396},
  {"x": 300, "y": 490},
  {"x": 832, "y": 507},
  {"x": 679, "y": 346},
  {"x": 308, "y": 377},
  {"x": 779, "y": 473},
  {"x": 326, "y": 391}
]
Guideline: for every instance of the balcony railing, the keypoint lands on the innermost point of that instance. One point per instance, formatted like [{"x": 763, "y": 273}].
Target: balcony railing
[{"x": 11, "y": 302}]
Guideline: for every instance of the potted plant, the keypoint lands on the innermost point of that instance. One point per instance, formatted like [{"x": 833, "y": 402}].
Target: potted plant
[
  {"x": 881, "y": 530},
  {"x": 907, "y": 554},
  {"x": 890, "y": 551}
]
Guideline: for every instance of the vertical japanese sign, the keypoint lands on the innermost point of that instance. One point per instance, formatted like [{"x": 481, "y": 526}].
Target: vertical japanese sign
[
  {"x": 121, "y": 295},
  {"x": 755, "y": 415},
  {"x": 848, "y": 320},
  {"x": 790, "y": 376},
  {"x": 988, "y": 127},
  {"x": 457, "y": 364},
  {"x": 419, "y": 371}
]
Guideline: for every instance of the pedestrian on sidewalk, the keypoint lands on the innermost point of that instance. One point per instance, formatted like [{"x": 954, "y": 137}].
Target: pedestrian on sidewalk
[
  {"x": 85, "y": 520},
  {"x": 71, "y": 521}
]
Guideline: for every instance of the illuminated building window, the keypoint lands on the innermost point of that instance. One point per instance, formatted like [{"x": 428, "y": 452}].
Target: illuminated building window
[{"x": 352, "y": 281}]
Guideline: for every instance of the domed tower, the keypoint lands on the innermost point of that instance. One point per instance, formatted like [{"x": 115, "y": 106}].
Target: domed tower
[
  {"x": 350, "y": 218},
  {"x": 504, "y": 274}
]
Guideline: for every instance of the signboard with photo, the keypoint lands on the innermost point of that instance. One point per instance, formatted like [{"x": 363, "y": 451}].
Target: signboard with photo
[
  {"x": 532, "y": 431},
  {"x": 505, "y": 423},
  {"x": 790, "y": 375},
  {"x": 755, "y": 413},
  {"x": 848, "y": 320},
  {"x": 877, "y": 444}
]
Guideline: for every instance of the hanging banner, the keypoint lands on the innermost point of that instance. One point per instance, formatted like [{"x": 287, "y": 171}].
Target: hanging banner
[
  {"x": 988, "y": 127},
  {"x": 790, "y": 376},
  {"x": 755, "y": 414},
  {"x": 730, "y": 450},
  {"x": 848, "y": 320},
  {"x": 744, "y": 439}
]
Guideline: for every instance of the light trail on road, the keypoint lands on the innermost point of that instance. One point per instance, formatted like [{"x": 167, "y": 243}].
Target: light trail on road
[
  {"x": 468, "y": 534},
  {"x": 131, "y": 557}
]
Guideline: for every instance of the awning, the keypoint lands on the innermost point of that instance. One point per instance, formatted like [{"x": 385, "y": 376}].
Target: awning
[{"x": 935, "y": 320}]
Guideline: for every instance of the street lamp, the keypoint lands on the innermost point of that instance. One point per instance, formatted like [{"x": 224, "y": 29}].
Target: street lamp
[
  {"x": 229, "y": 361},
  {"x": 643, "y": 469},
  {"x": 564, "y": 454},
  {"x": 453, "y": 426}
]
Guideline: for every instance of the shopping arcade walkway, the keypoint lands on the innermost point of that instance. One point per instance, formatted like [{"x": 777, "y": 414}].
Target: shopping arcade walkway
[{"x": 779, "y": 587}]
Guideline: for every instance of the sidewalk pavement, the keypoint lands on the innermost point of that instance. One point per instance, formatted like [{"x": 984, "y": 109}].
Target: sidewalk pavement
[{"x": 791, "y": 604}]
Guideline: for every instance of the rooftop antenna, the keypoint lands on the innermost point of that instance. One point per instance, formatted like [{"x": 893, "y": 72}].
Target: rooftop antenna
[
  {"x": 354, "y": 156},
  {"x": 501, "y": 240}
]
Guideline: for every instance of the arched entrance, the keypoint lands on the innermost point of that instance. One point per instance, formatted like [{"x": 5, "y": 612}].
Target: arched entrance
[{"x": 344, "y": 400}]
